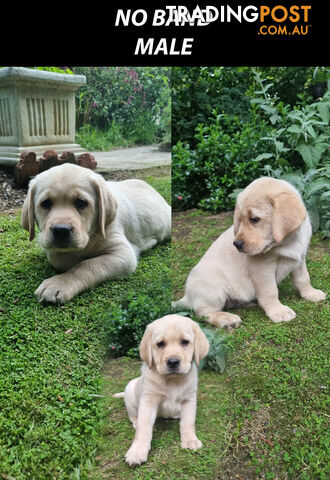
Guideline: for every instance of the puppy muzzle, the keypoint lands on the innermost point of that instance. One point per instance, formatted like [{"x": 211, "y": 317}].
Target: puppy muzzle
[
  {"x": 239, "y": 245},
  {"x": 62, "y": 235},
  {"x": 173, "y": 365}
]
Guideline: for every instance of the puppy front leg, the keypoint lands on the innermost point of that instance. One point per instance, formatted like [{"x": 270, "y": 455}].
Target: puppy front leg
[
  {"x": 138, "y": 452},
  {"x": 187, "y": 426},
  {"x": 267, "y": 294},
  {"x": 301, "y": 280},
  {"x": 87, "y": 274}
]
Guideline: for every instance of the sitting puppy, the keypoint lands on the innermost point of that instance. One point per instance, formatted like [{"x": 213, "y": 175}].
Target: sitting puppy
[
  {"x": 92, "y": 230},
  {"x": 268, "y": 241},
  {"x": 171, "y": 349}
]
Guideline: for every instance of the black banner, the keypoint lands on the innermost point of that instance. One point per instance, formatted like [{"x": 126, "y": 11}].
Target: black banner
[{"x": 271, "y": 32}]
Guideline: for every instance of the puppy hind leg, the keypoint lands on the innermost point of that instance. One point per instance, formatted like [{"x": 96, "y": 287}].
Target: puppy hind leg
[
  {"x": 301, "y": 280},
  {"x": 219, "y": 318}
]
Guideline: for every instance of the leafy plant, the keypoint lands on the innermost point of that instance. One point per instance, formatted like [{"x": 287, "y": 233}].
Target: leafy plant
[
  {"x": 216, "y": 358},
  {"x": 270, "y": 137},
  {"x": 320, "y": 75},
  {"x": 314, "y": 187},
  {"x": 222, "y": 161},
  {"x": 126, "y": 323},
  {"x": 309, "y": 134},
  {"x": 136, "y": 99}
]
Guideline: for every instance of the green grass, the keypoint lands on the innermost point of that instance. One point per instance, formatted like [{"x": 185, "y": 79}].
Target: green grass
[
  {"x": 265, "y": 417},
  {"x": 93, "y": 139},
  {"x": 141, "y": 132},
  {"x": 52, "y": 358},
  {"x": 276, "y": 376}
]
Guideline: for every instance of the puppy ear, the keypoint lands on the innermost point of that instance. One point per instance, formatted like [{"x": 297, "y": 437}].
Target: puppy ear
[
  {"x": 236, "y": 221},
  {"x": 145, "y": 347},
  {"x": 288, "y": 214},
  {"x": 27, "y": 220},
  {"x": 201, "y": 344},
  {"x": 107, "y": 205}
]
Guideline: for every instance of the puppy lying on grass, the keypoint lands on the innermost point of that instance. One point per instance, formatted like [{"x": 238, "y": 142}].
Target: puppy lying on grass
[
  {"x": 171, "y": 349},
  {"x": 92, "y": 230}
]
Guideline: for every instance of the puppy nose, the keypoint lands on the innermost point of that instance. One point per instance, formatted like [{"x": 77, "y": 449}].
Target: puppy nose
[
  {"x": 61, "y": 232},
  {"x": 238, "y": 244},
  {"x": 173, "y": 362}
]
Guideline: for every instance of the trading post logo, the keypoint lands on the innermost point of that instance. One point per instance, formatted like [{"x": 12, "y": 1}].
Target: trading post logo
[{"x": 281, "y": 20}]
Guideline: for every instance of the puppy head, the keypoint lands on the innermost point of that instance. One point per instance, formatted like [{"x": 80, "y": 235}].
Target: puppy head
[
  {"x": 69, "y": 204},
  {"x": 171, "y": 344},
  {"x": 266, "y": 212}
]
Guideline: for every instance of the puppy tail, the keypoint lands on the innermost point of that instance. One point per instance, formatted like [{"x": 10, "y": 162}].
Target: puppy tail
[
  {"x": 119, "y": 395},
  {"x": 179, "y": 303}
]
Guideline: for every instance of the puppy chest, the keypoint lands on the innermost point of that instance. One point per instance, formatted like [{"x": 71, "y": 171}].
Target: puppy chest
[
  {"x": 284, "y": 268},
  {"x": 170, "y": 408},
  {"x": 171, "y": 405}
]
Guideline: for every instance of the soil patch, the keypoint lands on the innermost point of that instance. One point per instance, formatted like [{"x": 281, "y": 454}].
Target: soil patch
[{"x": 11, "y": 196}]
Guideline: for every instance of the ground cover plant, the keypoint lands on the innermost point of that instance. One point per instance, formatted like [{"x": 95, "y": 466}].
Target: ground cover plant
[
  {"x": 274, "y": 388},
  {"x": 52, "y": 357}
]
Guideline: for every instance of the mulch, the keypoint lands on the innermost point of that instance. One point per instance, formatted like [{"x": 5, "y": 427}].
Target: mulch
[{"x": 11, "y": 196}]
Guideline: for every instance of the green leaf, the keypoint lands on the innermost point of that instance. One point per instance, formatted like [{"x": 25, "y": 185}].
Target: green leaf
[
  {"x": 311, "y": 131},
  {"x": 311, "y": 154},
  {"x": 274, "y": 118},
  {"x": 314, "y": 217},
  {"x": 325, "y": 195},
  {"x": 316, "y": 185},
  {"x": 324, "y": 110},
  {"x": 295, "y": 179},
  {"x": 295, "y": 129},
  {"x": 263, "y": 156},
  {"x": 257, "y": 100}
]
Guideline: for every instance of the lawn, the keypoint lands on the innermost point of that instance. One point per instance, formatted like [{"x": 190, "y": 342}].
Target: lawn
[
  {"x": 52, "y": 358},
  {"x": 275, "y": 385}
]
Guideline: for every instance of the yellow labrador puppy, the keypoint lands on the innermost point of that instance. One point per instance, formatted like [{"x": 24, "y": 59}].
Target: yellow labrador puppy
[
  {"x": 171, "y": 349},
  {"x": 92, "y": 230},
  {"x": 268, "y": 241}
]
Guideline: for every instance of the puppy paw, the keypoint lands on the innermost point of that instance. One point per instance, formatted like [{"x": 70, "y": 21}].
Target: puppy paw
[
  {"x": 314, "y": 295},
  {"x": 54, "y": 290},
  {"x": 136, "y": 455},
  {"x": 281, "y": 314},
  {"x": 224, "y": 319},
  {"x": 192, "y": 444}
]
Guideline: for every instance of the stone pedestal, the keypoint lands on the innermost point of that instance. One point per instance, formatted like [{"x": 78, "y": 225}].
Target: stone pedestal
[{"x": 37, "y": 112}]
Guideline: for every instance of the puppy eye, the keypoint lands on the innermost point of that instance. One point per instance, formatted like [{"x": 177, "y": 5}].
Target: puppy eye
[
  {"x": 160, "y": 344},
  {"x": 46, "y": 204},
  {"x": 254, "y": 219},
  {"x": 184, "y": 342},
  {"x": 80, "y": 203}
]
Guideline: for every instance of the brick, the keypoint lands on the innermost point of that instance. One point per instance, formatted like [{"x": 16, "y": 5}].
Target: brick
[
  {"x": 87, "y": 160},
  {"x": 26, "y": 168}
]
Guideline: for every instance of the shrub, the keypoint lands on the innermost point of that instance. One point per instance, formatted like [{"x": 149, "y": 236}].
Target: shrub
[
  {"x": 314, "y": 187},
  {"x": 135, "y": 99},
  {"x": 198, "y": 91},
  {"x": 277, "y": 140},
  {"x": 222, "y": 161},
  {"x": 125, "y": 323}
]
